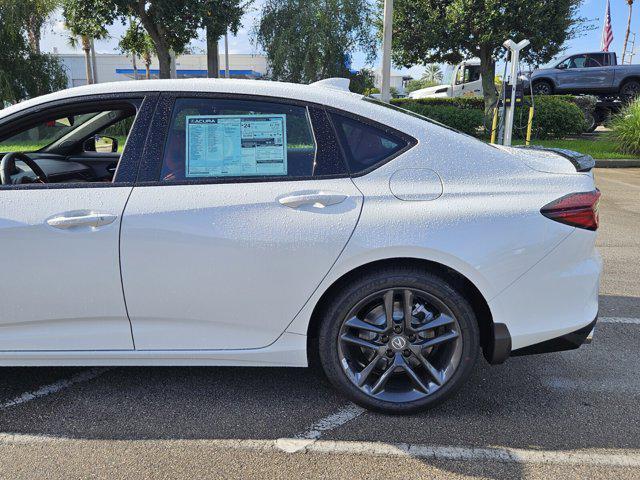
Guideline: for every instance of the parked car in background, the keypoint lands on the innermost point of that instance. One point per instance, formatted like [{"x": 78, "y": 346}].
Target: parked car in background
[
  {"x": 258, "y": 223},
  {"x": 465, "y": 82},
  {"x": 593, "y": 73}
]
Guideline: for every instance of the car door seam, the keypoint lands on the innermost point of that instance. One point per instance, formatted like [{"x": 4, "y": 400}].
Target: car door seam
[
  {"x": 124, "y": 296},
  {"x": 362, "y": 196}
]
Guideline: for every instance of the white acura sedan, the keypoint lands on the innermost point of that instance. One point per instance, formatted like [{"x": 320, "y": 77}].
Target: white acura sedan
[{"x": 224, "y": 222}]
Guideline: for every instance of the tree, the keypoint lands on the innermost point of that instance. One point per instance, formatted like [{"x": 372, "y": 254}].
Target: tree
[
  {"x": 23, "y": 72},
  {"x": 38, "y": 11},
  {"x": 309, "y": 40},
  {"x": 171, "y": 24},
  {"x": 362, "y": 81},
  {"x": 433, "y": 73},
  {"x": 626, "y": 36},
  {"x": 219, "y": 17},
  {"x": 137, "y": 42},
  {"x": 87, "y": 20},
  {"x": 427, "y": 31}
]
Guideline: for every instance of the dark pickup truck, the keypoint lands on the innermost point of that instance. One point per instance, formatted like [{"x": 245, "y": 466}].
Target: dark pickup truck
[{"x": 593, "y": 73}]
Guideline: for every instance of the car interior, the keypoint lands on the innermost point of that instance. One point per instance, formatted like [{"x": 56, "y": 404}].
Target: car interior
[{"x": 71, "y": 146}]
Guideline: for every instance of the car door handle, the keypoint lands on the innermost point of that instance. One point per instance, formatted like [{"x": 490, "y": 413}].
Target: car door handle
[
  {"x": 81, "y": 220},
  {"x": 319, "y": 199}
]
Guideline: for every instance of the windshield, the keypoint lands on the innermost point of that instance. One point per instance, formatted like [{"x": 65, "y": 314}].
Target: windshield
[{"x": 36, "y": 137}]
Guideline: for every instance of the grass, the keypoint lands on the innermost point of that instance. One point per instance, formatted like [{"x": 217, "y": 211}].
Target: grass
[
  {"x": 596, "y": 147},
  {"x": 31, "y": 146}
]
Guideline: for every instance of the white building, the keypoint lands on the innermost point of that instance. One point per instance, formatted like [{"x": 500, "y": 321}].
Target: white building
[
  {"x": 398, "y": 81},
  {"x": 114, "y": 67}
]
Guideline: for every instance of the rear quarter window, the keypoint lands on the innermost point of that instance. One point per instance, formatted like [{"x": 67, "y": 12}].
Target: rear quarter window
[{"x": 366, "y": 146}]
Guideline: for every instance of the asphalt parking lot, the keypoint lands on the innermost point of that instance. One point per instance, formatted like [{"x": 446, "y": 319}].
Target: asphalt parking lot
[{"x": 573, "y": 414}]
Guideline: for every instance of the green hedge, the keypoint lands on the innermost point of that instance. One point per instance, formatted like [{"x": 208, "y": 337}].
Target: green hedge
[
  {"x": 464, "y": 114},
  {"x": 556, "y": 116}
]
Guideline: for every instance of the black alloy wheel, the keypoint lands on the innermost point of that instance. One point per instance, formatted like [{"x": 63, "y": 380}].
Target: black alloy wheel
[{"x": 401, "y": 341}]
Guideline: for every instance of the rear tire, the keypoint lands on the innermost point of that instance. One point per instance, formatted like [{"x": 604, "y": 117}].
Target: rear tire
[
  {"x": 542, "y": 87},
  {"x": 591, "y": 122},
  {"x": 630, "y": 90},
  {"x": 384, "y": 365}
]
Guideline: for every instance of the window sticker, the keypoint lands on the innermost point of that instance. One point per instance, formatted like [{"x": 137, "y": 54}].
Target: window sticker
[{"x": 236, "y": 145}]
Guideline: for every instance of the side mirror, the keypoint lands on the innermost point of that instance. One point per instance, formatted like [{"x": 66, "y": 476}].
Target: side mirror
[
  {"x": 562, "y": 66},
  {"x": 100, "y": 143}
]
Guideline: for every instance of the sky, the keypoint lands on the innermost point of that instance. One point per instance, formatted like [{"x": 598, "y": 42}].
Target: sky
[{"x": 56, "y": 37}]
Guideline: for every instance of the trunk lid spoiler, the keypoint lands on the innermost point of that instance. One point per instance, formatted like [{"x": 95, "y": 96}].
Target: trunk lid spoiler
[{"x": 581, "y": 161}]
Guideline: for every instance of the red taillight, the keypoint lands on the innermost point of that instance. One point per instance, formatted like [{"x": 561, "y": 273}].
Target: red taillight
[{"x": 576, "y": 209}]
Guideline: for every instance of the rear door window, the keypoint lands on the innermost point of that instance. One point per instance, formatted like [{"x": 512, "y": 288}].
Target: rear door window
[
  {"x": 596, "y": 60},
  {"x": 366, "y": 146},
  {"x": 236, "y": 138}
]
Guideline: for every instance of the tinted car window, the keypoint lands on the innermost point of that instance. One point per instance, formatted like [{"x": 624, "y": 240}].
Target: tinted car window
[
  {"x": 472, "y": 73},
  {"x": 596, "y": 60},
  {"x": 578, "y": 61},
  {"x": 364, "y": 144},
  {"x": 216, "y": 138}
]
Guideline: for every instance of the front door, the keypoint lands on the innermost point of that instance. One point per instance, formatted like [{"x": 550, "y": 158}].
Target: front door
[
  {"x": 573, "y": 72},
  {"x": 468, "y": 82},
  {"x": 61, "y": 288},
  {"x": 251, "y": 208},
  {"x": 61, "y": 285}
]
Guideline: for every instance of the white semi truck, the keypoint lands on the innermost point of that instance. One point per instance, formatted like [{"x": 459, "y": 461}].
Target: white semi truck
[{"x": 465, "y": 82}]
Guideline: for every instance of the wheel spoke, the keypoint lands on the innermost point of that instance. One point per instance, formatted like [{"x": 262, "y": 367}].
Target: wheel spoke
[
  {"x": 384, "y": 378},
  {"x": 414, "y": 376},
  {"x": 444, "y": 338},
  {"x": 363, "y": 376},
  {"x": 359, "y": 342},
  {"x": 355, "y": 322},
  {"x": 408, "y": 309},
  {"x": 439, "y": 321},
  {"x": 388, "y": 309},
  {"x": 431, "y": 370}
]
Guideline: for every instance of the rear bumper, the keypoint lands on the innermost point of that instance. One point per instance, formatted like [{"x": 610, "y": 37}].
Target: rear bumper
[{"x": 499, "y": 348}]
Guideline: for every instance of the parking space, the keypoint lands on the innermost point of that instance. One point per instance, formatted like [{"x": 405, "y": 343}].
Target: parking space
[{"x": 572, "y": 414}]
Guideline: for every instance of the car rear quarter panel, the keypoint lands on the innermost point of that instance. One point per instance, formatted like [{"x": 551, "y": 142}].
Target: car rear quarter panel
[{"x": 486, "y": 225}]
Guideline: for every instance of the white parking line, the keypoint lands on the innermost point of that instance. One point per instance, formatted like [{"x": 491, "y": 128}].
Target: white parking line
[
  {"x": 631, "y": 321},
  {"x": 315, "y": 431},
  {"x": 608, "y": 458},
  {"x": 81, "y": 377},
  {"x": 334, "y": 420}
]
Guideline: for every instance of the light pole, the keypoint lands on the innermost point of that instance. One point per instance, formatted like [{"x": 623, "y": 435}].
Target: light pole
[
  {"x": 227, "y": 74},
  {"x": 385, "y": 91}
]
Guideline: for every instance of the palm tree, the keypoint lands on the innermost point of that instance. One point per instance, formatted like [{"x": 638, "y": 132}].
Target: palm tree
[
  {"x": 86, "y": 25},
  {"x": 433, "y": 73},
  {"x": 39, "y": 13},
  {"x": 85, "y": 43},
  {"x": 626, "y": 37}
]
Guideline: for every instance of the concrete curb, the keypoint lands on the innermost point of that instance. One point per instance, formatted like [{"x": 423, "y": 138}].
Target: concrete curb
[{"x": 618, "y": 163}]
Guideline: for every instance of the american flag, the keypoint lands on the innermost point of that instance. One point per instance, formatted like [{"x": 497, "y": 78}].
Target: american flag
[{"x": 607, "y": 32}]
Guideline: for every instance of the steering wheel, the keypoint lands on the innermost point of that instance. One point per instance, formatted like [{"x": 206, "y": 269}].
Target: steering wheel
[{"x": 8, "y": 167}]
